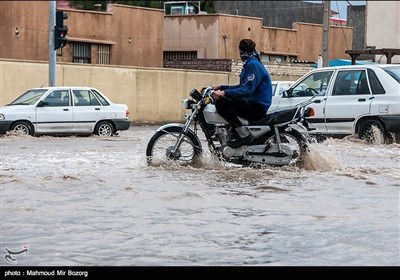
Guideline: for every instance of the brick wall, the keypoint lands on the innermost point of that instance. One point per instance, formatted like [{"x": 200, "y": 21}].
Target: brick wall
[
  {"x": 199, "y": 64},
  {"x": 279, "y": 71}
]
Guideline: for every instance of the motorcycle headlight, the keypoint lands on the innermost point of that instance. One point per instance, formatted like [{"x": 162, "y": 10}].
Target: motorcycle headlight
[
  {"x": 2, "y": 117},
  {"x": 195, "y": 94},
  {"x": 186, "y": 103}
]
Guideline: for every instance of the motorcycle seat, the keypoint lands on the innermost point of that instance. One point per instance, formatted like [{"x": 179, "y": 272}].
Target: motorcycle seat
[{"x": 276, "y": 117}]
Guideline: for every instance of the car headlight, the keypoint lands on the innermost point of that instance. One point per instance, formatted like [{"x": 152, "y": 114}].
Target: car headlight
[{"x": 2, "y": 117}]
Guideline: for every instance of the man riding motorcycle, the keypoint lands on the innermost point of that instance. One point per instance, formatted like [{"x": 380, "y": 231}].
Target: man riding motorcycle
[{"x": 250, "y": 99}]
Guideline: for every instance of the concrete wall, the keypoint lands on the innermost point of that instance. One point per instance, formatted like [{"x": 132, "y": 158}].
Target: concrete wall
[
  {"x": 135, "y": 34},
  {"x": 152, "y": 94},
  {"x": 279, "y": 41},
  {"x": 24, "y": 31},
  {"x": 356, "y": 19},
  {"x": 309, "y": 41},
  {"x": 274, "y": 13},
  {"x": 383, "y": 27},
  {"x": 192, "y": 33},
  {"x": 218, "y": 36}
]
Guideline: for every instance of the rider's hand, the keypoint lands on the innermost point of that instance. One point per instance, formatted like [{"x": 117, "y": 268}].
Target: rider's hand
[
  {"x": 218, "y": 94},
  {"x": 216, "y": 87}
]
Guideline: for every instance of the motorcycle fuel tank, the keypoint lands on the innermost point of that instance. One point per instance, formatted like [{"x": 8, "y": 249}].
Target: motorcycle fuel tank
[{"x": 211, "y": 116}]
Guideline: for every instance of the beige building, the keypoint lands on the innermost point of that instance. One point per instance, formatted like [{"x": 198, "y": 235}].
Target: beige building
[
  {"x": 217, "y": 36},
  {"x": 143, "y": 37},
  {"x": 383, "y": 27},
  {"x": 124, "y": 35}
]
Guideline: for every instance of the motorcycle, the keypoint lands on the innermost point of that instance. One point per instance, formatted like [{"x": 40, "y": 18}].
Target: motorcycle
[{"x": 278, "y": 139}]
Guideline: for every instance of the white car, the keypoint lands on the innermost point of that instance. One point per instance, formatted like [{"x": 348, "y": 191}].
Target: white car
[
  {"x": 64, "y": 110},
  {"x": 350, "y": 99},
  {"x": 278, "y": 87}
]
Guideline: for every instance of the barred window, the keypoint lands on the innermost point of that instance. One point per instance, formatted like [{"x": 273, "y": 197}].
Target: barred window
[
  {"x": 59, "y": 52},
  {"x": 103, "y": 54},
  {"x": 81, "y": 53},
  {"x": 180, "y": 55}
]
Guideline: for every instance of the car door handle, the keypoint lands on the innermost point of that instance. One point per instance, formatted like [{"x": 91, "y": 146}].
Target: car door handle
[
  {"x": 65, "y": 109},
  {"x": 97, "y": 109},
  {"x": 362, "y": 99}
]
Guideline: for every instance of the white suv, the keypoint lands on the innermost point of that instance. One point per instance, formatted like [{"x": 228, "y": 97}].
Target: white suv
[{"x": 350, "y": 99}]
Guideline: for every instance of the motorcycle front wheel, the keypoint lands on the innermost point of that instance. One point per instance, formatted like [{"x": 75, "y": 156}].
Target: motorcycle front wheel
[
  {"x": 292, "y": 139},
  {"x": 160, "y": 148}
]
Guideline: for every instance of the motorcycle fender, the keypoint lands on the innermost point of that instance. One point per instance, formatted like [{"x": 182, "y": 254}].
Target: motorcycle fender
[
  {"x": 190, "y": 131},
  {"x": 298, "y": 134}
]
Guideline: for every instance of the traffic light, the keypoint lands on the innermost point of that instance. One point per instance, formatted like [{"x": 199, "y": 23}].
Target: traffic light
[{"x": 60, "y": 30}]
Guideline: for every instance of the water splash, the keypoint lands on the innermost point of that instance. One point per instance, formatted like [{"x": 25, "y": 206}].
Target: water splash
[{"x": 318, "y": 159}]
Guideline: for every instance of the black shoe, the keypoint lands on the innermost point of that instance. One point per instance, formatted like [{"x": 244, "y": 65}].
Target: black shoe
[{"x": 238, "y": 142}]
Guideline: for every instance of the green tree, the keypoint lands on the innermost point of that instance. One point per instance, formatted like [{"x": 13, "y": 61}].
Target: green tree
[{"x": 208, "y": 6}]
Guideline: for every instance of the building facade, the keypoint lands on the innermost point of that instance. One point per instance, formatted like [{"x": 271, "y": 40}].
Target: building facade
[
  {"x": 144, "y": 37},
  {"x": 274, "y": 13},
  {"x": 124, "y": 35},
  {"x": 217, "y": 36},
  {"x": 383, "y": 27}
]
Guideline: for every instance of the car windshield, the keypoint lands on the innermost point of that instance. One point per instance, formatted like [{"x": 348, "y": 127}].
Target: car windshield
[
  {"x": 394, "y": 72},
  {"x": 29, "y": 98}
]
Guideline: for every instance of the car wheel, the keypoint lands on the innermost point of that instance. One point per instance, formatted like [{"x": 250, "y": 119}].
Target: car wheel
[
  {"x": 104, "y": 129},
  {"x": 372, "y": 131},
  {"x": 22, "y": 128}
]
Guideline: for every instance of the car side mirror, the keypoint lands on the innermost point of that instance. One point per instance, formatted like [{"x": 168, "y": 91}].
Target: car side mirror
[{"x": 287, "y": 93}]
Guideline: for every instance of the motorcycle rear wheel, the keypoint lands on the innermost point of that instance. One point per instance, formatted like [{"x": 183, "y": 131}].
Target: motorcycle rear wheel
[
  {"x": 294, "y": 139},
  {"x": 160, "y": 146}
]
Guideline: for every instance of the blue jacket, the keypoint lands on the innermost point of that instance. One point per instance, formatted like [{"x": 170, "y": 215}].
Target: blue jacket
[{"x": 255, "y": 84}]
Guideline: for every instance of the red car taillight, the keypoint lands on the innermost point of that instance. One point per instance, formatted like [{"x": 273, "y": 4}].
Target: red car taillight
[{"x": 127, "y": 113}]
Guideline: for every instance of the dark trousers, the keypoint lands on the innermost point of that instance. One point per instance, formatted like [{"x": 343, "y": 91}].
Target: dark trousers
[{"x": 230, "y": 109}]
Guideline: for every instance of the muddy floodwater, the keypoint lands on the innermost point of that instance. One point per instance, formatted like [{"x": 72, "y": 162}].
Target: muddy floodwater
[{"x": 93, "y": 201}]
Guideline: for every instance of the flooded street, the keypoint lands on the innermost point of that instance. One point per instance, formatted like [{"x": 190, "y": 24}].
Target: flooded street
[{"x": 92, "y": 201}]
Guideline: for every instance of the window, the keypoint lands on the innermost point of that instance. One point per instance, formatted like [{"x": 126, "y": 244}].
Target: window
[
  {"x": 180, "y": 55},
  {"x": 81, "y": 53},
  {"x": 29, "y": 98},
  {"x": 103, "y": 101},
  {"x": 85, "y": 98},
  {"x": 351, "y": 82},
  {"x": 362, "y": 85},
  {"x": 265, "y": 57},
  {"x": 57, "y": 98},
  {"x": 376, "y": 85},
  {"x": 177, "y": 10},
  {"x": 315, "y": 84},
  {"x": 103, "y": 54},
  {"x": 393, "y": 71}
]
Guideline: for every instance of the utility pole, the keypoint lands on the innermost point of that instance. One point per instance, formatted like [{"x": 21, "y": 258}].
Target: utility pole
[
  {"x": 52, "y": 52},
  {"x": 325, "y": 35}
]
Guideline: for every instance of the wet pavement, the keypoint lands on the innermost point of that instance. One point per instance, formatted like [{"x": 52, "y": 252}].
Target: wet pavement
[{"x": 85, "y": 201}]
